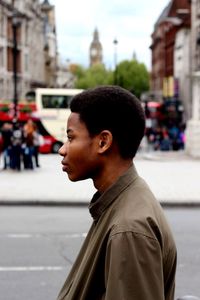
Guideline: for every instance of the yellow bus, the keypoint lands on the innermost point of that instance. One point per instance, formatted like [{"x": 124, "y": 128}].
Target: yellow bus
[{"x": 52, "y": 109}]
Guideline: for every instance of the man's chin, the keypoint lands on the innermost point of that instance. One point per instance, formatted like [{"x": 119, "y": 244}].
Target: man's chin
[{"x": 74, "y": 178}]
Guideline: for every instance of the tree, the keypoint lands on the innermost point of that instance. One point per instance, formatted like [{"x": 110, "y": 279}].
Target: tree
[
  {"x": 132, "y": 76},
  {"x": 77, "y": 70},
  {"x": 129, "y": 74},
  {"x": 94, "y": 76}
]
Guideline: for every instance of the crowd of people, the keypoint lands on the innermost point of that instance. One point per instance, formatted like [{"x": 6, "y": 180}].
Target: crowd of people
[
  {"x": 166, "y": 139},
  {"x": 20, "y": 145}
]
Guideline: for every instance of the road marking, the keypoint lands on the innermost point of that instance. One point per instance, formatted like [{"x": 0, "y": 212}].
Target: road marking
[
  {"x": 18, "y": 235},
  {"x": 76, "y": 235},
  {"x": 31, "y": 268},
  {"x": 38, "y": 235}
]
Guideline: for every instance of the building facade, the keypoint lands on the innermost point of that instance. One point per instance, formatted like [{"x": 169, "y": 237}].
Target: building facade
[
  {"x": 193, "y": 125},
  {"x": 158, "y": 55},
  {"x": 50, "y": 44},
  {"x": 182, "y": 69},
  {"x": 168, "y": 48},
  {"x": 65, "y": 76},
  {"x": 34, "y": 43}
]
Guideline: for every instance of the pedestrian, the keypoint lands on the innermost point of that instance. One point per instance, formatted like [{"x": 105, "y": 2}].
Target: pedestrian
[
  {"x": 129, "y": 252},
  {"x": 36, "y": 145},
  {"x": 16, "y": 139},
  {"x": 28, "y": 145},
  {"x": 6, "y": 132}
]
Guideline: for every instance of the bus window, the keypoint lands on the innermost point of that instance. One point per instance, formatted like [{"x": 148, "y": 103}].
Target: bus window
[
  {"x": 52, "y": 108},
  {"x": 56, "y": 101}
]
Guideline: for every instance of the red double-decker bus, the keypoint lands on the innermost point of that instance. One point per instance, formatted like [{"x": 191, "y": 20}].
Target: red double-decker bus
[{"x": 26, "y": 111}]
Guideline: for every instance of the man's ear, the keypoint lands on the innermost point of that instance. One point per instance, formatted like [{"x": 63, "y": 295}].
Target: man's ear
[{"x": 105, "y": 141}]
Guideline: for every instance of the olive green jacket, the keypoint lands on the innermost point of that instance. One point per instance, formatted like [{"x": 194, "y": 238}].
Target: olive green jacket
[{"x": 129, "y": 252}]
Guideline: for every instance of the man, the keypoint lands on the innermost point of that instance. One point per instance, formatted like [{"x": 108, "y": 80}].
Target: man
[{"x": 129, "y": 252}]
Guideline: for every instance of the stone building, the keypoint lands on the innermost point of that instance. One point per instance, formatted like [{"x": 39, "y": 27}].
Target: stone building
[
  {"x": 96, "y": 55},
  {"x": 182, "y": 69},
  {"x": 65, "y": 76},
  {"x": 193, "y": 125},
  {"x": 158, "y": 53},
  {"x": 36, "y": 47},
  {"x": 50, "y": 43},
  {"x": 170, "y": 78}
]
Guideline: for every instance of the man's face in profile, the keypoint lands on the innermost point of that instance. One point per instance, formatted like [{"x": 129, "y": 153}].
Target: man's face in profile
[{"x": 79, "y": 151}]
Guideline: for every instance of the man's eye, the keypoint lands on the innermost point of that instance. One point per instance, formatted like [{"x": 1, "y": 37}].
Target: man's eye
[{"x": 69, "y": 138}]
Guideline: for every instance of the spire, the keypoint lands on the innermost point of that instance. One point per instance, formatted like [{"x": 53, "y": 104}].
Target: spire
[
  {"x": 134, "y": 55},
  {"x": 96, "y": 35},
  {"x": 46, "y": 2},
  {"x": 95, "y": 49}
]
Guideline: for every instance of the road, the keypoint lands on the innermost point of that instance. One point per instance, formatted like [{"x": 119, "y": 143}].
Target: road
[{"x": 39, "y": 245}]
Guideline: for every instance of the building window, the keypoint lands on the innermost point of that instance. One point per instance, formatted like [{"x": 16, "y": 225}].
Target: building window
[
  {"x": 10, "y": 32},
  {"x": 1, "y": 58},
  {"x": 26, "y": 34},
  {"x": 1, "y": 88},
  {"x": 198, "y": 7},
  {"x": 1, "y": 23},
  {"x": 26, "y": 64},
  {"x": 10, "y": 60}
]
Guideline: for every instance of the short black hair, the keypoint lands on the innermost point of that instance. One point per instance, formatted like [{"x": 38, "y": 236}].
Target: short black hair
[{"x": 115, "y": 109}]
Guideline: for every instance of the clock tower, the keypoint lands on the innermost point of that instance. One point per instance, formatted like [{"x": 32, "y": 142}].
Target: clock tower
[{"x": 95, "y": 50}]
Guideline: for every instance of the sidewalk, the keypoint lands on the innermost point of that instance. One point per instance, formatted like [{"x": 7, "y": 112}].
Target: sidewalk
[{"x": 172, "y": 176}]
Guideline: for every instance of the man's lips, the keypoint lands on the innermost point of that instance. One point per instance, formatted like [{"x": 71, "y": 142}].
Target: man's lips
[{"x": 65, "y": 167}]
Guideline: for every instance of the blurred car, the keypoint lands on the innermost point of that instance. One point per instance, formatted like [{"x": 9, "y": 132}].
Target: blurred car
[{"x": 49, "y": 145}]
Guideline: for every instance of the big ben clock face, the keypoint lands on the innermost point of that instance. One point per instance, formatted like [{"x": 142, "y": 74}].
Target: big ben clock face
[{"x": 93, "y": 52}]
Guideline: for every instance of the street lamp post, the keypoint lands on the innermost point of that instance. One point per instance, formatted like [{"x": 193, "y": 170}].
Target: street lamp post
[
  {"x": 115, "y": 42},
  {"x": 15, "y": 24}
]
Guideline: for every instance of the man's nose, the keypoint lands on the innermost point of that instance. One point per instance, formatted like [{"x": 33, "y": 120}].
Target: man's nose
[{"x": 62, "y": 151}]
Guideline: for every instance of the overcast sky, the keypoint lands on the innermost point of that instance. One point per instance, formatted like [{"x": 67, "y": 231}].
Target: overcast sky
[{"x": 131, "y": 22}]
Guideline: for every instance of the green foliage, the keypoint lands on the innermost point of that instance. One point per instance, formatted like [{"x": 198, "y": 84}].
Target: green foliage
[
  {"x": 132, "y": 76},
  {"x": 129, "y": 74},
  {"x": 26, "y": 109},
  {"x": 77, "y": 70},
  {"x": 4, "y": 108},
  {"x": 93, "y": 76}
]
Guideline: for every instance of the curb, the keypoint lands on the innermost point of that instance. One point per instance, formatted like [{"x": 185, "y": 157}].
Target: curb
[
  {"x": 43, "y": 203},
  {"x": 165, "y": 204},
  {"x": 185, "y": 204}
]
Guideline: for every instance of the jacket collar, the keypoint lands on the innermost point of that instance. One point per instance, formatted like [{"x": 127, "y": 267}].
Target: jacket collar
[{"x": 99, "y": 202}]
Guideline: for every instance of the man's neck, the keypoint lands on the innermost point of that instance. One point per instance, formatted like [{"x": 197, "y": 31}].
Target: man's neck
[{"x": 110, "y": 173}]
